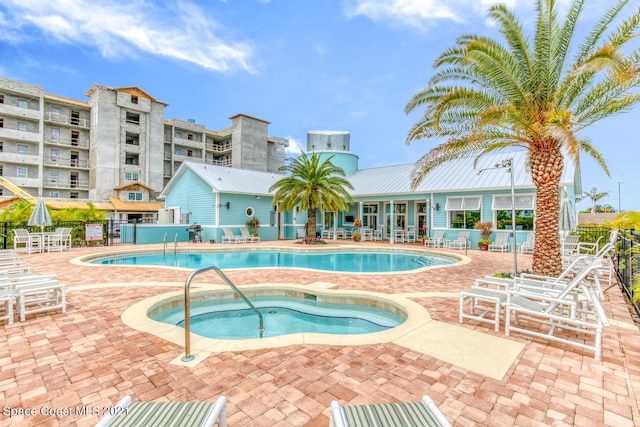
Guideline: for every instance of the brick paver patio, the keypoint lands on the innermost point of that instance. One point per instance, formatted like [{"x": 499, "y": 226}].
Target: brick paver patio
[{"x": 52, "y": 364}]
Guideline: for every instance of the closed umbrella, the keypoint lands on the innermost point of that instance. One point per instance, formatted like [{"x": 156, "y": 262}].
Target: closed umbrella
[
  {"x": 567, "y": 217},
  {"x": 40, "y": 216}
]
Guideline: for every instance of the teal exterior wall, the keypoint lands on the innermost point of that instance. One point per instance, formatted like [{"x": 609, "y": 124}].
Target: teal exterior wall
[
  {"x": 195, "y": 197},
  {"x": 343, "y": 159}
]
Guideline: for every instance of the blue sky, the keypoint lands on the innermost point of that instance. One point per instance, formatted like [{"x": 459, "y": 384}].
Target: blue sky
[{"x": 300, "y": 64}]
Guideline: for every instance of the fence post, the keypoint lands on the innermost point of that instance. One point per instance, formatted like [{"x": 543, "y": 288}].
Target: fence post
[{"x": 5, "y": 234}]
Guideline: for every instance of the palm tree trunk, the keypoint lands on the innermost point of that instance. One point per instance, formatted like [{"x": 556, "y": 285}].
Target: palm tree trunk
[
  {"x": 311, "y": 223},
  {"x": 546, "y": 169}
]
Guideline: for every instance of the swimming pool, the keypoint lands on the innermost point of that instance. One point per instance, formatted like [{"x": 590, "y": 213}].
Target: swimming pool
[
  {"x": 230, "y": 318},
  {"x": 346, "y": 261}
]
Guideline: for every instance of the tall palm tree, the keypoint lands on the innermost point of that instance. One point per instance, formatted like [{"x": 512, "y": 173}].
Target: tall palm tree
[
  {"x": 525, "y": 93},
  {"x": 312, "y": 183},
  {"x": 595, "y": 196}
]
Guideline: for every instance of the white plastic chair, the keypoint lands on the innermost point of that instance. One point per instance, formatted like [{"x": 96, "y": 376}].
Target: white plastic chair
[{"x": 501, "y": 243}]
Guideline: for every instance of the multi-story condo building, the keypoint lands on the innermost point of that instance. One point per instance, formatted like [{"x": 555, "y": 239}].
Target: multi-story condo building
[{"x": 57, "y": 147}]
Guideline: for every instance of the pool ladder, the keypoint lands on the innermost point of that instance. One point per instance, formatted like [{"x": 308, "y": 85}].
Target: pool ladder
[
  {"x": 175, "y": 244},
  {"x": 187, "y": 308}
]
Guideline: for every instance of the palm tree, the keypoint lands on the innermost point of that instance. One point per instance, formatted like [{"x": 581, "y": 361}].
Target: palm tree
[
  {"x": 312, "y": 184},
  {"x": 595, "y": 196},
  {"x": 487, "y": 96}
]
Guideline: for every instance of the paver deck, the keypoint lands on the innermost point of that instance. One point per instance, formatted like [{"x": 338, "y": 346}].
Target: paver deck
[{"x": 54, "y": 364}]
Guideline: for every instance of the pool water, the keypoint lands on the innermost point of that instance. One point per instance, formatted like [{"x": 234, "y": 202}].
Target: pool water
[
  {"x": 231, "y": 319},
  {"x": 345, "y": 261}
]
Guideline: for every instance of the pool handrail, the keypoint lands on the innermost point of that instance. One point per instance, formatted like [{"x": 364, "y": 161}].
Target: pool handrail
[
  {"x": 187, "y": 308},
  {"x": 164, "y": 245},
  {"x": 175, "y": 245}
]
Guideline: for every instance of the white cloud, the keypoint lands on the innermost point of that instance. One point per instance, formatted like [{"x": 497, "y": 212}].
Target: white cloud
[
  {"x": 181, "y": 31},
  {"x": 418, "y": 13},
  {"x": 294, "y": 147}
]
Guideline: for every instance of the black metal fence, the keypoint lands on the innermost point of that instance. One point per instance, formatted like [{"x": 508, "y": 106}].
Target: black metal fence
[
  {"x": 110, "y": 232},
  {"x": 628, "y": 253}
]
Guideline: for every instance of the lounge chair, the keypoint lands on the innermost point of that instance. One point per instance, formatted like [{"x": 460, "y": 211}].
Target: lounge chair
[
  {"x": 485, "y": 300},
  {"x": 437, "y": 240},
  {"x": 186, "y": 414},
  {"x": 410, "y": 234},
  {"x": 229, "y": 237},
  {"x": 6, "y": 303},
  {"x": 301, "y": 233},
  {"x": 248, "y": 238},
  {"x": 528, "y": 245},
  {"x": 38, "y": 294},
  {"x": 461, "y": 241},
  {"x": 501, "y": 243},
  {"x": 405, "y": 414},
  {"x": 569, "y": 245}
]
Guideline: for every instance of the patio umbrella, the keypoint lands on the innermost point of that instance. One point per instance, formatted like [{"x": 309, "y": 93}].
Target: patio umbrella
[
  {"x": 40, "y": 216},
  {"x": 567, "y": 217}
]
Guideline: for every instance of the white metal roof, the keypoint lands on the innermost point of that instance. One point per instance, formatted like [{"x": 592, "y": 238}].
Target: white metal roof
[
  {"x": 230, "y": 180},
  {"x": 456, "y": 175}
]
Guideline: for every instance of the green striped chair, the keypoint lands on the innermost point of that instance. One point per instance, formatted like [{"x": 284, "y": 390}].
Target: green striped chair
[
  {"x": 407, "y": 414},
  {"x": 175, "y": 414}
]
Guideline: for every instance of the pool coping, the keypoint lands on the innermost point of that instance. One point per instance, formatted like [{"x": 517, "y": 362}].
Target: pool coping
[{"x": 459, "y": 259}]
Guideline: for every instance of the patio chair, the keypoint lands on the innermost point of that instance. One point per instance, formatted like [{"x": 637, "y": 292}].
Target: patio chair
[
  {"x": 399, "y": 235},
  {"x": 36, "y": 294},
  {"x": 410, "y": 234},
  {"x": 6, "y": 303},
  {"x": 569, "y": 245},
  {"x": 229, "y": 237},
  {"x": 248, "y": 238},
  {"x": 127, "y": 413},
  {"x": 437, "y": 240},
  {"x": 58, "y": 240},
  {"x": 367, "y": 234},
  {"x": 301, "y": 233},
  {"x": 406, "y": 414},
  {"x": 379, "y": 233},
  {"x": 527, "y": 246},
  {"x": 501, "y": 243},
  {"x": 31, "y": 242},
  {"x": 461, "y": 241}
]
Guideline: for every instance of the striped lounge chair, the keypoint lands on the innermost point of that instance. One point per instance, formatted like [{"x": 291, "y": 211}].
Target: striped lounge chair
[
  {"x": 176, "y": 414},
  {"x": 406, "y": 414}
]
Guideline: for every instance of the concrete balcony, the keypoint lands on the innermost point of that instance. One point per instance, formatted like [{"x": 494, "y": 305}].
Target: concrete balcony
[
  {"x": 185, "y": 158},
  {"x": 21, "y": 159},
  {"x": 219, "y": 162},
  {"x": 19, "y": 135},
  {"x": 66, "y": 120},
  {"x": 188, "y": 143},
  {"x": 66, "y": 162},
  {"x": 20, "y": 112},
  {"x": 68, "y": 142},
  {"x": 67, "y": 184},
  {"x": 219, "y": 148}
]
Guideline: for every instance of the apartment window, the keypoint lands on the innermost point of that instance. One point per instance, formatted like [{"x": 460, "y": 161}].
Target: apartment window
[
  {"x": 55, "y": 114},
  {"x": 22, "y": 172},
  {"x": 54, "y": 177},
  {"x": 131, "y": 176},
  {"x": 75, "y": 159},
  {"x": 1, "y": 123},
  {"x": 463, "y": 212},
  {"x": 135, "y": 196},
  {"x": 190, "y": 153},
  {"x": 55, "y": 155},
  {"x": 73, "y": 195},
  {"x": 190, "y": 136},
  {"x": 524, "y": 207},
  {"x": 178, "y": 134},
  {"x": 1, "y": 169},
  {"x": 23, "y": 103},
  {"x": 75, "y": 137},
  {"x": 178, "y": 151},
  {"x": 134, "y": 99},
  {"x": 54, "y": 194},
  {"x": 75, "y": 117},
  {"x": 176, "y": 166},
  {"x": 23, "y": 149},
  {"x": 55, "y": 134},
  {"x": 73, "y": 180},
  {"x": 133, "y": 118},
  {"x": 23, "y": 127},
  {"x": 132, "y": 139},
  {"x": 1, "y": 146},
  {"x": 1, "y": 99},
  {"x": 131, "y": 159}
]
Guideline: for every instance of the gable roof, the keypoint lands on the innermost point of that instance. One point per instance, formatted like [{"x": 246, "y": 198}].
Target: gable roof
[
  {"x": 228, "y": 180},
  {"x": 134, "y": 186}
]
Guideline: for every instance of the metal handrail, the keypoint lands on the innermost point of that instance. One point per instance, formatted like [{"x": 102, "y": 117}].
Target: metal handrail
[
  {"x": 164, "y": 245},
  {"x": 187, "y": 308},
  {"x": 175, "y": 245}
]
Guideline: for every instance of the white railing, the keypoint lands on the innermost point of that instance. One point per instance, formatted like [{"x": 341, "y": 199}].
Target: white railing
[
  {"x": 60, "y": 118},
  {"x": 80, "y": 143},
  {"x": 66, "y": 162}
]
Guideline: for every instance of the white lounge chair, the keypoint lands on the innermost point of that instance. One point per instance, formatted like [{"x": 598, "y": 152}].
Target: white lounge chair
[
  {"x": 501, "y": 243},
  {"x": 248, "y": 238},
  {"x": 569, "y": 245},
  {"x": 6, "y": 303},
  {"x": 204, "y": 414},
  {"x": 410, "y": 234},
  {"x": 405, "y": 414},
  {"x": 461, "y": 241},
  {"x": 59, "y": 240},
  {"x": 229, "y": 237},
  {"x": 437, "y": 240},
  {"x": 37, "y": 294}
]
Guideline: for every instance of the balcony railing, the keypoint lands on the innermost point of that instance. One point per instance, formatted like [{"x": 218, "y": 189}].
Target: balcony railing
[
  {"x": 219, "y": 147},
  {"x": 65, "y": 162},
  {"x": 80, "y": 143},
  {"x": 219, "y": 162},
  {"x": 66, "y": 183},
  {"x": 60, "y": 118}
]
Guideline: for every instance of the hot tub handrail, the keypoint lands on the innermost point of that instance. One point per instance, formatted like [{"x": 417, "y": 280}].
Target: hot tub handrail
[
  {"x": 175, "y": 244},
  {"x": 187, "y": 307}
]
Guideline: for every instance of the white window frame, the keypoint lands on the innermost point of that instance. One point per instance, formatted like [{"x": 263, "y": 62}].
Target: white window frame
[
  {"x": 22, "y": 172},
  {"x": 23, "y": 126},
  {"x": 132, "y": 176},
  {"x": 55, "y": 134},
  {"x": 23, "y": 103},
  {"x": 134, "y": 196},
  {"x": 54, "y": 177},
  {"x": 523, "y": 202},
  {"x": 54, "y": 194},
  {"x": 22, "y": 149},
  {"x": 463, "y": 204}
]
